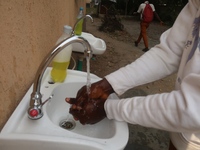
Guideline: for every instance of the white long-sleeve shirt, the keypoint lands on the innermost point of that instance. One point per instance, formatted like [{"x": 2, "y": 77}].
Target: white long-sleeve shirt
[{"x": 179, "y": 110}]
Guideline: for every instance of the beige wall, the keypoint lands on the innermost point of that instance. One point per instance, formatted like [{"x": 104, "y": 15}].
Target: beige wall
[{"x": 28, "y": 31}]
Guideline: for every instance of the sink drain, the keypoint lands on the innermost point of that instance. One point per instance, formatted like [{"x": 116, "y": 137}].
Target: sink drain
[{"x": 67, "y": 124}]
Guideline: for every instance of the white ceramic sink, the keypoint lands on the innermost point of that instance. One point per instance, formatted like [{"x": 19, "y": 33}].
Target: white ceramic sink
[
  {"x": 98, "y": 45},
  {"x": 21, "y": 133}
]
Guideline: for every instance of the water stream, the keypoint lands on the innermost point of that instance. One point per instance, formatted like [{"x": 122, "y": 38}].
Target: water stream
[{"x": 88, "y": 84}]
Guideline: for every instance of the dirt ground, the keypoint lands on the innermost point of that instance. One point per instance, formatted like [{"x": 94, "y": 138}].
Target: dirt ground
[{"x": 121, "y": 51}]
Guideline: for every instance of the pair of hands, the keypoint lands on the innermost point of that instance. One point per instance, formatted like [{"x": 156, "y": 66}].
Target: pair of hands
[{"x": 89, "y": 108}]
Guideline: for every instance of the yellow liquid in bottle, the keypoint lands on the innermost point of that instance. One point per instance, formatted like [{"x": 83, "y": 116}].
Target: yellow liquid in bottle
[
  {"x": 79, "y": 27},
  {"x": 59, "y": 72}
]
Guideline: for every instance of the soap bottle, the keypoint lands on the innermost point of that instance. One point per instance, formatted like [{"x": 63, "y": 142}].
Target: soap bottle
[
  {"x": 61, "y": 61},
  {"x": 79, "y": 26}
]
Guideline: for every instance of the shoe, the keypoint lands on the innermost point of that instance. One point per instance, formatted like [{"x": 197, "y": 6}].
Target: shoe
[
  {"x": 145, "y": 49},
  {"x": 136, "y": 43}
]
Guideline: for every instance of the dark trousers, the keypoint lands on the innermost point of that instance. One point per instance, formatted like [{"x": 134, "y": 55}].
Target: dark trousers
[{"x": 171, "y": 146}]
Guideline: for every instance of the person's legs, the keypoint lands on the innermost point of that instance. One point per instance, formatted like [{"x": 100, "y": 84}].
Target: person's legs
[
  {"x": 140, "y": 35},
  {"x": 143, "y": 34},
  {"x": 171, "y": 146}
]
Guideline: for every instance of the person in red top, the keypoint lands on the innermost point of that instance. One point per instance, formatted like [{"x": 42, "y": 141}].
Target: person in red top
[{"x": 144, "y": 25}]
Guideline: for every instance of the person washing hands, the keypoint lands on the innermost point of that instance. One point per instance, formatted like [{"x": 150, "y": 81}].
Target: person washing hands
[{"x": 177, "y": 111}]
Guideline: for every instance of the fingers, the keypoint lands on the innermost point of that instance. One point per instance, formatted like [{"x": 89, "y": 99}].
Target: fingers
[
  {"x": 88, "y": 108},
  {"x": 70, "y": 100},
  {"x": 78, "y": 115}
]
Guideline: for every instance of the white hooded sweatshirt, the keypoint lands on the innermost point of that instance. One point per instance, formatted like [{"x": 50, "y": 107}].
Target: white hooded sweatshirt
[{"x": 179, "y": 110}]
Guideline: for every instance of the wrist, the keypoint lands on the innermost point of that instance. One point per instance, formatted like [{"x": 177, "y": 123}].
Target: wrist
[{"x": 106, "y": 86}]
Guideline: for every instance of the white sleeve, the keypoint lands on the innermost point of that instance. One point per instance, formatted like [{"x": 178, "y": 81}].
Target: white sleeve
[
  {"x": 160, "y": 61},
  {"x": 140, "y": 9},
  {"x": 153, "y": 8},
  {"x": 176, "y": 111}
]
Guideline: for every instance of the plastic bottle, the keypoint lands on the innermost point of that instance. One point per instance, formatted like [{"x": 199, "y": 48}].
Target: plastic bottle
[
  {"x": 61, "y": 61},
  {"x": 79, "y": 26}
]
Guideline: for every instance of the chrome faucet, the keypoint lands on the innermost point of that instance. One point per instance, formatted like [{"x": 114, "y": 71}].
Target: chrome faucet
[
  {"x": 82, "y": 18},
  {"x": 35, "y": 106}
]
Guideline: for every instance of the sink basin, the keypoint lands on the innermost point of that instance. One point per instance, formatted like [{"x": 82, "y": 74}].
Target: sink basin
[
  {"x": 48, "y": 133},
  {"x": 57, "y": 110},
  {"x": 98, "y": 45}
]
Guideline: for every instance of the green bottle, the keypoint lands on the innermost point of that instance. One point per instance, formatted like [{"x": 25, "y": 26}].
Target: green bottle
[{"x": 79, "y": 26}]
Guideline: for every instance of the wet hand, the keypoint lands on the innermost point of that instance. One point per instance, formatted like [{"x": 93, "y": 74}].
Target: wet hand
[
  {"x": 90, "y": 112},
  {"x": 89, "y": 108}
]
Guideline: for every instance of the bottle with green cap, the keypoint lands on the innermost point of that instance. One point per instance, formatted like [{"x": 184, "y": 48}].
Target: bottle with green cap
[{"x": 79, "y": 26}]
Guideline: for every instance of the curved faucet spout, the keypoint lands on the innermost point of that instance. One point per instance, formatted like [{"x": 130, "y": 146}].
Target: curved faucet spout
[
  {"x": 82, "y": 18},
  {"x": 35, "y": 108}
]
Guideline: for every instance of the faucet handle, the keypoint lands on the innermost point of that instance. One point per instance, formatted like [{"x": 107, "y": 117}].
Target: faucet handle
[{"x": 34, "y": 113}]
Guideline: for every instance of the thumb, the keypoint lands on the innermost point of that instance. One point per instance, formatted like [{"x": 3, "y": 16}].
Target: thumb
[{"x": 70, "y": 100}]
